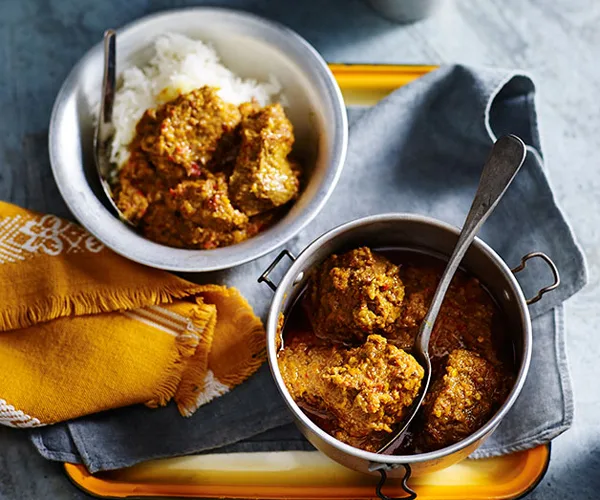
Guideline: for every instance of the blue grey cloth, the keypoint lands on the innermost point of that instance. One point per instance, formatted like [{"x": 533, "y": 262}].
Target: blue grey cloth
[{"x": 420, "y": 150}]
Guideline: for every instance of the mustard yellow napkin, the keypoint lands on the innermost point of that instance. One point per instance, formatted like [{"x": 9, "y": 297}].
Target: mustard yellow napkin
[{"x": 83, "y": 329}]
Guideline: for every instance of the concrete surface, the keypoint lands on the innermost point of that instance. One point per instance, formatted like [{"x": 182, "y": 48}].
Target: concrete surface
[{"x": 558, "y": 41}]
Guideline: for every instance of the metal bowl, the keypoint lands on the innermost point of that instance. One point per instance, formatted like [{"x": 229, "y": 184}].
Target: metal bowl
[
  {"x": 426, "y": 235},
  {"x": 251, "y": 47}
]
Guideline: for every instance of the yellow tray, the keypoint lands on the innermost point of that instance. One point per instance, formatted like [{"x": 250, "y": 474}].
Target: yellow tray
[
  {"x": 308, "y": 475},
  {"x": 311, "y": 475}
]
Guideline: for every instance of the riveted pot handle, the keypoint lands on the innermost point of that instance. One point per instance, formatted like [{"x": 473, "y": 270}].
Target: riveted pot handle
[
  {"x": 264, "y": 277},
  {"x": 552, "y": 267},
  {"x": 382, "y": 469}
]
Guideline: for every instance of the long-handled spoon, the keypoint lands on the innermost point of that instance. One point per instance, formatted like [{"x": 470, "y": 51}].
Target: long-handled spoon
[
  {"x": 105, "y": 128},
  {"x": 503, "y": 163}
]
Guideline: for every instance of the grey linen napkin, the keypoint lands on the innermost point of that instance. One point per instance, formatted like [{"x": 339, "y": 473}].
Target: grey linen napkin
[{"x": 420, "y": 150}]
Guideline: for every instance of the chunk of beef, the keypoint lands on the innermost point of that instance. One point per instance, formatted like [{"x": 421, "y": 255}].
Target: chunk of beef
[
  {"x": 354, "y": 295},
  {"x": 263, "y": 177},
  {"x": 367, "y": 389}
]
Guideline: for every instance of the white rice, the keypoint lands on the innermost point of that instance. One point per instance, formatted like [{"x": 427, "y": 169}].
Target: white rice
[{"x": 179, "y": 65}]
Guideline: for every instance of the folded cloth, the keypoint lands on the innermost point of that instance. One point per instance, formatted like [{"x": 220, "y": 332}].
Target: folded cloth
[
  {"x": 84, "y": 330},
  {"x": 420, "y": 150}
]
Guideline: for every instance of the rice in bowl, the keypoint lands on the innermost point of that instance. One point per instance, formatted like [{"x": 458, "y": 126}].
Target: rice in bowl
[{"x": 179, "y": 65}]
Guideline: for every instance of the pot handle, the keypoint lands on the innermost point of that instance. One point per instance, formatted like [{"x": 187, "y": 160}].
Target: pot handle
[
  {"x": 264, "y": 277},
  {"x": 552, "y": 267},
  {"x": 382, "y": 469}
]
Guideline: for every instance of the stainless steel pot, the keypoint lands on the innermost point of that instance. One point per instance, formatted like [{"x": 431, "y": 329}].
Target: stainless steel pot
[{"x": 423, "y": 234}]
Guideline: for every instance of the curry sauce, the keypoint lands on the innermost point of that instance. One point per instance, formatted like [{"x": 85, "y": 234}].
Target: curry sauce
[
  {"x": 472, "y": 355},
  {"x": 204, "y": 173}
]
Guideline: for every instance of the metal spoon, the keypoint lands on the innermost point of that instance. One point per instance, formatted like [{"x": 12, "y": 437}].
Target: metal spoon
[
  {"x": 105, "y": 128},
  {"x": 503, "y": 163}
]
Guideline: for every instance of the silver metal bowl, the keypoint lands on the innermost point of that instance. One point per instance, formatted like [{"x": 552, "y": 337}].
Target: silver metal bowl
[
  {"x": 251, "y": 47},
  {"x": 421, "y": 234}
]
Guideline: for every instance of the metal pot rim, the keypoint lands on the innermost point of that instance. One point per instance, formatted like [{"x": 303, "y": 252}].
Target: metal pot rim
[{"x": 394, "y": 460}]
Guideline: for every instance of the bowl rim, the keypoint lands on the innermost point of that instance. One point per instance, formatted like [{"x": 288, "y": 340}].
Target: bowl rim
[
  {"x": 288, "y": 281},
  {"x": 92, "y": 213}
]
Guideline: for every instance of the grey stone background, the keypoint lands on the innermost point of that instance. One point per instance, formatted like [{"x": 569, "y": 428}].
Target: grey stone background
[{"x": 557, "y": 41}]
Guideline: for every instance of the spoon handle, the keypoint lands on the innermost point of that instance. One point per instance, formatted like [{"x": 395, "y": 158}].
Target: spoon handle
[
  {"x": 503, "y": 163},
  {"x": 109, "y": 77},
  {"x": 105, "y": 127}
]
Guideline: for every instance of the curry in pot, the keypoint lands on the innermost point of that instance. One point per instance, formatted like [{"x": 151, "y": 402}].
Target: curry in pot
[
  {"x": 346, "y": 351},
  {"x": 203, "y": 173}
]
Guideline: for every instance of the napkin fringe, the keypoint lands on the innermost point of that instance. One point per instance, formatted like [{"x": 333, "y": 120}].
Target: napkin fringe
[
  {"x": 99, "y": 301},
  {"x": 186, "y": 345},
  {"x": 194, "y": 378},
  {"x": 256, "y": 342}
]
